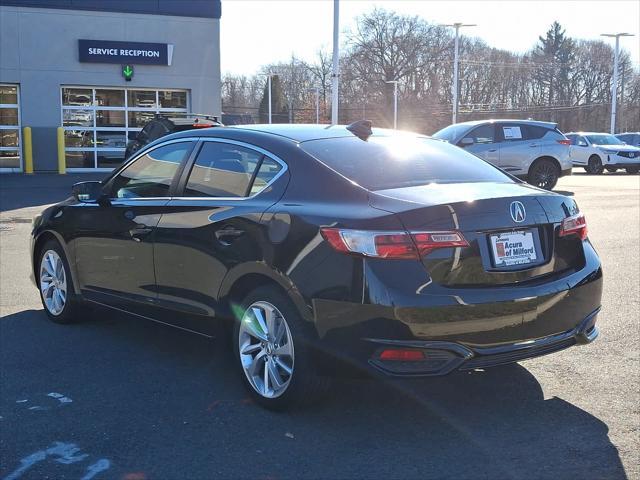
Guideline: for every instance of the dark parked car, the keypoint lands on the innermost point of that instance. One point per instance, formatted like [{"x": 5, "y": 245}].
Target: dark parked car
[
  {"x": 630, "y": 138},
  {"x": 326, "y": 248},
  {"x": 163, "y": 125}
]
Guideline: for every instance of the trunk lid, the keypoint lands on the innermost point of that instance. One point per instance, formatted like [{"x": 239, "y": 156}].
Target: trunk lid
[{"x": 482, "y": 211}]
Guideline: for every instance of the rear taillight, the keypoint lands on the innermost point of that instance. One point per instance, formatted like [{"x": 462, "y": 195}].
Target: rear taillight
[
  {"x": 395, "y": 245},
  {"x": 574, "y": 225},
  {"x": 201, "y": 125},
  {"x": 564, "y": 142}
]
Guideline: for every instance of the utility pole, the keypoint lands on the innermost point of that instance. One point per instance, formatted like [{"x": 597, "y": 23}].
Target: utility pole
[
  {"x": 614, "y": 85},
  {"x": 454, "y": 87},
  {"x": 336, "y": 67},
  {"x": 395, "y": 102}
]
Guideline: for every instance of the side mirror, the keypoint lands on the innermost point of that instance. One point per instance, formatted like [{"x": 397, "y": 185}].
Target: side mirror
[
  {"x": 466, "y": 141},
  {"x": 88, "y": 192}
]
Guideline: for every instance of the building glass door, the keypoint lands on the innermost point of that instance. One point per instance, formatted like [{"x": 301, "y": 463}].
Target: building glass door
[
  {"x": 10, "y": 134},
  {"x": 99, "y": 121}
]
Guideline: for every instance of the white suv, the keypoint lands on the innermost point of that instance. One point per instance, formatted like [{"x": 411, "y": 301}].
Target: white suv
[
  {"x": 599, "y": 151},
  {"x": 535, "y": 151}
]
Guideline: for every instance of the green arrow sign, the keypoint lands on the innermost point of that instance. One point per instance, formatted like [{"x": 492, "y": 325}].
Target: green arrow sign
[{"x": 127, "y": 72}]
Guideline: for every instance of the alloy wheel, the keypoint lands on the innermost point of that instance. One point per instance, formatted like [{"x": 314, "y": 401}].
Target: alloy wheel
[
  {"x": 53, "y": 282},
  {"x": 595, "y": 166},
  {"x": 266, "y": 349},
  {"x": 544, "y": 175}
]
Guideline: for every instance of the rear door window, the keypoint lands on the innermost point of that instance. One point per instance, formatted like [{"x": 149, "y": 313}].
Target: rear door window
[
  {"x": 222, "y": 170},
  {"x": 401, "y": 161}
]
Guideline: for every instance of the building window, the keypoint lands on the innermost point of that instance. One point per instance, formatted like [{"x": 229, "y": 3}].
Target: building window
[
  {"x": 98, "y": 122},
  {"x": 10, "y": 134}
]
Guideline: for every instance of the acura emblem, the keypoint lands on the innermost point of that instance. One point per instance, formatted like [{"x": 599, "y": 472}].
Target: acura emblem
[{"x": 518, "y": 213}]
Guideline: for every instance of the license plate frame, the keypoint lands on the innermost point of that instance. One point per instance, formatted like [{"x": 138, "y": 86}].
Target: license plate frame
[{"x": 515, "y": 249}]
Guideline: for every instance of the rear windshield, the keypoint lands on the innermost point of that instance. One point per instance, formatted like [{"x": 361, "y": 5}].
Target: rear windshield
[{"x": 401, "y": 161}]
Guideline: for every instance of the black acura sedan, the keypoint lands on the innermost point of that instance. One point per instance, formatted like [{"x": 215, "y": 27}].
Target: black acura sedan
[{"x": 326, "y": 247}]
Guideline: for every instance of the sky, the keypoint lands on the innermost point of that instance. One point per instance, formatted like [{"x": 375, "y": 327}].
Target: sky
[{"x": 258, "y": 32}]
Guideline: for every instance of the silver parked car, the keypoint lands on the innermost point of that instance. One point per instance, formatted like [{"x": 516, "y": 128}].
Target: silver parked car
[{"x": 535, "y": 151}]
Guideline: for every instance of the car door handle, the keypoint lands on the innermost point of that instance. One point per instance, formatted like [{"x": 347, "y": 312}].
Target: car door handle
[
  {"x": 533, "y": 144},
  {"x": 140, "y": 231},
  {"x": 227, "y": 235},
  {"x": 492, "y": 150}
]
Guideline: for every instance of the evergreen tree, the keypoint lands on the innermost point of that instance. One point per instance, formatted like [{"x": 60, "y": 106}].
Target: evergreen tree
[
  {"x": 555, "y": 53},
  {"x": 279, "y": 110}
]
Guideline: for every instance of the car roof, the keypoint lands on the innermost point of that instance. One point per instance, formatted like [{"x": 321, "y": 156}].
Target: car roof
[
  {"x": 510, "y": 120},
  {"x": 628, "y": 133},
  {"x": 294, "y": 132},
  {"x": 587, "y": 133}
]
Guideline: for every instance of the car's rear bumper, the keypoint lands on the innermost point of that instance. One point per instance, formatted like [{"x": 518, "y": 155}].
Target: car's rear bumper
[
  {"x": 441, "y": 358},
  {"x": 459, "y": 328}
]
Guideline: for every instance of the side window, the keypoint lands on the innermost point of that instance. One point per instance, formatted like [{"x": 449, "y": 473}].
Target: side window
[
  {"x": 151, "y": 174},
  {"x": 581, "y": 142},
  {"x": 572, "y": 138},
  {"x": 534, "y": 132},
  {"x": 483, "y": 134},
  {"x": 222, "y": 170},
  {"x": 268, "y": 170}
]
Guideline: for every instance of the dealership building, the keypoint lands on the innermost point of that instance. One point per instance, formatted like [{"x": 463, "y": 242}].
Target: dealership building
[{"x": 100, "y": 70}]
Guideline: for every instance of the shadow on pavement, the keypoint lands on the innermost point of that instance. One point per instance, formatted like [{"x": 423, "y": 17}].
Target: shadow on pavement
[
  {"x": 21, "y": 191},
  {"x": 160, "y": 403}
]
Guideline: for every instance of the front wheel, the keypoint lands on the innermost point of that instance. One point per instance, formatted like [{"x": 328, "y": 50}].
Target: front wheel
[
  {"x": 544, "y": 173},
  {"x": 632, "y": 170},
  {"x": 594, "y": 166},
  {"x": 55, "y": 284},
  {"x": 271, "y": 344}
]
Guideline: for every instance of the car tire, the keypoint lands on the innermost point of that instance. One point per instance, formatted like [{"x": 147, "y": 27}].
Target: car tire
[
  {"x": 55, "y": 284},
  {"x": 632, "y": 170},
  {"x": 544, "y": 173},
  {"x": 611, "y": 169},
  {"x": 594, "y": 166},
  {"x": 283, "y": 356}
]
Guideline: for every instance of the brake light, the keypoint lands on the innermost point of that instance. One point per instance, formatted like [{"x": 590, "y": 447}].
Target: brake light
[
  {"x": 403, "y": 355},
  {"x": 202, "y": 125},
  {"x": 564, "y": 141},
  {"x": 393, "y": 245},
  {"x": 574, "y": 225}
]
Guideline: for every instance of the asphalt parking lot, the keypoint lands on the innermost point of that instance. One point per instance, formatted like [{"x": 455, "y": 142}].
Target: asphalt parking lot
[{"x": 116, "y": 397}]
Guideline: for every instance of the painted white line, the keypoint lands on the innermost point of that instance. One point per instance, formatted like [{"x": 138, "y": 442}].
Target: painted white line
[
  {"x": 61, "y": 398},
  {"x": 93, "y": 470}
]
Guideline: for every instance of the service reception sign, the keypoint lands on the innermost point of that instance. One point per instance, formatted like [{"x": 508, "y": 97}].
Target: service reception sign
[{"x": 110, "y": 51}]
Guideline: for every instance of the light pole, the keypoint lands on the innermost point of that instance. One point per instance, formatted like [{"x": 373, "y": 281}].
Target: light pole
[
  {"x": 454, "y": 87},
  {"x": 268, "y": 75},
  {"x": 336, "y": 66},
  {"x": 614, "y": 86},
  {"x": 395, "y": 102}
]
